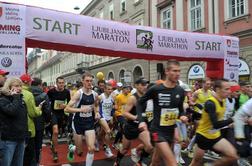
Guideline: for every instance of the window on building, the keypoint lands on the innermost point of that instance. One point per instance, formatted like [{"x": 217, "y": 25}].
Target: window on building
[
  {"x": 110, "y": 76},
  {"x": 139, "y": 22},
  {"x": 196, "y": 9},
  {"x": 137, "y": 73},
  {"x": 123, "y": 6},
  {"x": 111, "y": 12},
  {"x": 236, "y": 8},
  {"x": 101, "y": 15},
  {"x": 166, "y": 18},
  {"x": 121, "y": 76}
]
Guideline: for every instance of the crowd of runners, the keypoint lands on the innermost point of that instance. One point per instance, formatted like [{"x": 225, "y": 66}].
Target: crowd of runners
[{"x": 210, "y": 119}]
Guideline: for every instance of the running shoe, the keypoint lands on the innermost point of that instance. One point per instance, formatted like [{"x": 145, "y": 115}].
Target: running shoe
[
  {"x": 108, "y": 153},
  {"x": 181, "y": 160},
  {"x": 243, "y": 162},
  {"x": 134, "y": 156},
  {"x": 55, "y": 157},
  {"x": 211, "y": 155},
  {"x": 97, "y": 149}
]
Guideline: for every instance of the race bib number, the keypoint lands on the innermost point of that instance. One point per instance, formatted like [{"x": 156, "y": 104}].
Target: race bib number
[
  {"x": 149, "y": 115},
  {"x": 85, "y": 114},
  {"x": 88, "y": 113},
  {"x": 123, "y": 108},
  {"x": 168, "y": 116},
  {"x": 213, "y": 131},
  {"x": 57, "y": 104}
]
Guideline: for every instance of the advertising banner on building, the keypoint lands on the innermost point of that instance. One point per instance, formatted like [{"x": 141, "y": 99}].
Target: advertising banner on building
[
  {"x": 12, "y": 38},
  {"x": 231, "y": 59}
]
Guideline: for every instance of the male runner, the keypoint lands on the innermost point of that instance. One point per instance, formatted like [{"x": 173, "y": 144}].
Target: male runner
[
  {"x": 120, "y": 104},
  {"x": 242, "y": 129},
  {"x": 85, "y": 107},
  {"x": 208, "y": 135},
  {"x": 59, "y": 97},
  {"x": 131, "y": 130},
  {"x": 106, "y": 110},
  {"x": 168, "y": 100},
  {"x": 199, "y": 99}
]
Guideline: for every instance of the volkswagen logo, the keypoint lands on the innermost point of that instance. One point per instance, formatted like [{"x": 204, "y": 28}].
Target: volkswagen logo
[
  {"x": 6, "y": 62},
  {"x": 196, "y": 69}
]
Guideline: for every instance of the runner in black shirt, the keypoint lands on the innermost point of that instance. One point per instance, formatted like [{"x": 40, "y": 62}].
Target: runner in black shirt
[
  {"x": 131, "y": 131},
  {"x": 59, "y": 97},
  {"x": 168, "y": 106}
]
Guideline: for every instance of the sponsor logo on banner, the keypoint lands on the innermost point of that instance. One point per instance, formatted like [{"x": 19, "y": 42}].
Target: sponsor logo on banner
[
  {"x": 12, "y": 13},
  {"x": 228, "y": 42},
  {"x": 1, "y": 11},
  {"x": 11, "y": 46},
  {"x": 227, "y": 62},
  {"x": 144, "y": 39},
  {"x": 243, "y": 68},
  {"x": 15, "y": 73},
  {"x": 6, "y": 62},
  {"x": 235, "y": 44},
  {"x": 196, "y": 69},
  {"x": 232, "y": 43},
  {"x": 195, "y": 72},
  {"x": 110, "y": 34},
  {"x": 232, "y": 53},
  {"x": 10, "y": 29},
  {"x": 173, "y": 42}
]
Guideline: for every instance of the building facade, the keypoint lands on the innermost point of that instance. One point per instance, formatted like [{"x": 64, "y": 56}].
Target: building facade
[
  {"x": 225, "y": 17},
  {"x": 134, "y": 12}
]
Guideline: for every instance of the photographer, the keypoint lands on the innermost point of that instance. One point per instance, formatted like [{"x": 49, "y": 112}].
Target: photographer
[{"x": 13, "y": 116}]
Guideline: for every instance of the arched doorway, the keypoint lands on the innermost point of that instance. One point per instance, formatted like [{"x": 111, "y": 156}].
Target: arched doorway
[
  {"x": 111, "y": 76},
  {"x": 137, "y": 73},
  {"x": 121, "y": 76}
]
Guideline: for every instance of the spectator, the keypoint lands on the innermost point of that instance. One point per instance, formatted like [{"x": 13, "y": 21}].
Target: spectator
[
  {"x": 33, "y": 112},
  {"x": 3, "y": 75},
  {"x": 45, "y": 87},
  {"x": 13, "y": 115},
  {"x": 40, "y": 96},
  {"x": 2, "y": 80}
]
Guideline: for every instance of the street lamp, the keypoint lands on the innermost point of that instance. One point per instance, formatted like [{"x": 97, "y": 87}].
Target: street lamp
[{"x": 76, "y": 8}]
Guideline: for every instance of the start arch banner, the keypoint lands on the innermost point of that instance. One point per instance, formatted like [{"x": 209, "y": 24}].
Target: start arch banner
[{"x": 50, "y": 29}]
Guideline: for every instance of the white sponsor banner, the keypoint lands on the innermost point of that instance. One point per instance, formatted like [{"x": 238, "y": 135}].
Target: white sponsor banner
[
  {"x": 243, "y": 68},
  {"x": 66, "y": 28},
  {"x": 231, "y": 59},
  {"x": 195, "y": 72},
  {"x": 12, "y": 38}
]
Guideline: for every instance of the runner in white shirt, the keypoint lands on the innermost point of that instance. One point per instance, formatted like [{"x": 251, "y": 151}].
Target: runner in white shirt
[
  {"x": 242, "y": 116},
  {"x": 106, "y": 110},
  {"x": 242, "y": 120}
]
